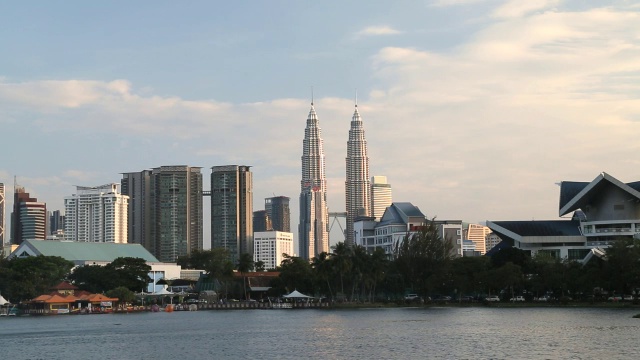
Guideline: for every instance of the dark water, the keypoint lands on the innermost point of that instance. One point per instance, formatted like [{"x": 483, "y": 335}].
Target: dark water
[{"x": 443, "y": 333}]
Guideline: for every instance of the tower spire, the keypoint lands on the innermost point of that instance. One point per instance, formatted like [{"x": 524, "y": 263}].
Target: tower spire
[
  {"x": 312, "y": 96},
  {"x": 356, "y": 97}
]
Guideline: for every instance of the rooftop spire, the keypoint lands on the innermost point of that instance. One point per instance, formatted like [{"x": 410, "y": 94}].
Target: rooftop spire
[
  {"x": 356, "y": 97},
  {"x": 312, "y": 96}
]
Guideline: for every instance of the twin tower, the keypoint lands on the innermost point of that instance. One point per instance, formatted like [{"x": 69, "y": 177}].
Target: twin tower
[{"x": 313, "y": 229}]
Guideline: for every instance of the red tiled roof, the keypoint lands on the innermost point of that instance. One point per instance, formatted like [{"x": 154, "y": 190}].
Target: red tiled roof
[{"x": 64, "y": 286}]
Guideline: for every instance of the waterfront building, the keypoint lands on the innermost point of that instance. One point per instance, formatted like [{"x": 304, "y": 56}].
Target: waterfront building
[
  {"x": 96, "y": 214},
  {"x": 2, "y": 215},
  {"x": 232, "y": 209},
  {"x": 137, "y": 186},
  {"x": 381, "y": 197},
  {"x": 313, "y": 229},
  {"x": 357, "y": 184},
  {"x": 261, "y": 221},
  {"x": 277, "y": 208},
  {"x": 491, "y": 241},
  {"x": 451, "y": 231},
  {"x": 399, "y": 220},
  {"x": 604, "y": 210},
  {"x": 269, "y": 247},
  {"x": 29, "y": 217},
  {"x": 176, "y": 211},
  {"x": 478, "y": 234}
]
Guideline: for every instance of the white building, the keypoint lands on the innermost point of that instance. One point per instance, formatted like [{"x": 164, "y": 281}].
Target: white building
[
  {"x": 380, "y": 196},
  {"x": 398, "y": 220},
  {"x": 268, "y": 247},
  {"x": 96, "y": 214}
]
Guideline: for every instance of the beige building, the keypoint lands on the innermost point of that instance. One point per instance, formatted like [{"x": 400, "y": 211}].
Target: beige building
[
  {"x": 269, "y": 247},
  {"x": 478, "y": 234}
]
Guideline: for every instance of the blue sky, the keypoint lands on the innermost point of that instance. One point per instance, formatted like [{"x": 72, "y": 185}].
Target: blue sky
[{"x": 473, "y": 109}]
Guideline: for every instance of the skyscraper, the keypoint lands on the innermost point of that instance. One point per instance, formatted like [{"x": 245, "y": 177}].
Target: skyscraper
[
  {"x": 380, "y": 196},
  {"x": 56, "y": 222},
  {"x": 2, "y": 210},
  {"x": 313, "y": 230},
  {"x": 176, "y": 211},
  {"x": 137, "y": 185},
  {"x": 96, "y": 214},
  {"x": 232, "y": 209},
  {"x": 261, "y": 221},
  {"x": 278, "y": 210},
  {"x": 29, "y": 217},
  {"x": 357, "y": 185},
  {"x": 165, "y": 210}
]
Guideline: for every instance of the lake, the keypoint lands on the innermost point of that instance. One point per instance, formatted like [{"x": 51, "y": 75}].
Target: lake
[{"x": 409, "y": 333}]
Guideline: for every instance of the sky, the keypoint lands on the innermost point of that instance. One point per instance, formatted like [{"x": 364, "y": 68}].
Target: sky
[{"x": 473, "y": 109}]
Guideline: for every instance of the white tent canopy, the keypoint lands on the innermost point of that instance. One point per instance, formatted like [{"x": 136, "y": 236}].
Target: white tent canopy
[
  {"x": 3, "y": 301},
  {"x": 295, "y": 294}
]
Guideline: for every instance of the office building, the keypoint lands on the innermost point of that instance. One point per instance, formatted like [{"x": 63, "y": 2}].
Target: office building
[
  {"x": 29, "y": 217},
  {"x": 313, "y": 229},
  {"x": 269, "y": 247},
  {"x": 380, "y": 196},
  {"x": 357, "y": 184},
  {"x": 232, "y": 209},
  {"x": 399, "y": 220},
  {"x": 56, "y": 222},
  {"x": 137, "y": 186},
  {"x": 478, "y": 234},
  {"x": 96, "y": 214},
  {"x": 277, "y": 208}
]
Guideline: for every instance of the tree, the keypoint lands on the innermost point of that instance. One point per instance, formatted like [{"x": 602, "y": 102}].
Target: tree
[
  {"x": 341, "y": 260},
  {"x": 295, "y": 274},
  {"x": 132, "y": 273},
  {"x": 423, "y": 258},
  {"x": 94, "y": 278},
  {"x": 123, "y": 295},
  {"x": 26, "y": 278},
  {"x": 259, "y": 266},
  {"x": 245, "y": 264}
]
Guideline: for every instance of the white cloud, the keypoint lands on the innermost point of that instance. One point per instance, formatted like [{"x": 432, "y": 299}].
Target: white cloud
[
  {"x": 376, "y": 31},
  {"x": 519, "y": 8}
]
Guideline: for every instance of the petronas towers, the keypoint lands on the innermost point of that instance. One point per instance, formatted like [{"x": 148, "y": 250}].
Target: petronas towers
[{"x": 313, "y": 229}]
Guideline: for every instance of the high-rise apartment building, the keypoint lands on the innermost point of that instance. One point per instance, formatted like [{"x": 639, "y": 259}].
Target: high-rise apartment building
[
  {"x": 313, "y": 229},
  {"x": 176, "y": 211},
  {"x": 137, "y": 186},
  {"x": 357, "y": 184},
  {"x": 380, "y": 196},
  {"x": 268, "y": 247},
  {"x": 232, "y": 209},
  {"x": 29, "y": 217},
  {"x": 96, "y": 214},
  {"x": 2, "y": 216},
  {"x": 279, "y": 213},
  {"x": 165, "y": 210}
]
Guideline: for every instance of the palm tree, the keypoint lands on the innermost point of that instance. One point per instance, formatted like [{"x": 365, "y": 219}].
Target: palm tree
[
  {"x": 341, "y": 260},
  {"x": 322, "y": 266}
]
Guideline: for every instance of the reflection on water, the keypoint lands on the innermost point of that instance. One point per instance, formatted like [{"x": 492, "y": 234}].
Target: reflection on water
[{"x": 472, "y": 333}]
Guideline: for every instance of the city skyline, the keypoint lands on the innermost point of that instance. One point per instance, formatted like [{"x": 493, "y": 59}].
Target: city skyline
[{"x": 469, "y": 104}]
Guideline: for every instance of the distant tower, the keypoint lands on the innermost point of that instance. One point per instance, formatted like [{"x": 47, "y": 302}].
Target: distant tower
[
  {"x": 261, "y": 221},
  {"x": 2, "y": 216},
  {"x": 96, "y": 214},
  {"x": 29, "y": 217},
  {"x": 137, "y": 185},
  {"x": 313, "y": 230},
  {"x": 357, "y": 185},
  {"x": 232, "y": 209},
  {"x": 279, "y": 213},
  {"x": 380, "y": 196}
]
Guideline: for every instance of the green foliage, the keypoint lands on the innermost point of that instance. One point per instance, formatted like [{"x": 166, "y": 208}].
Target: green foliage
[
  {"x": 123, "y": 294},
  {"x": 26, "y": 278},
  {"x": 131, "y": 273}
]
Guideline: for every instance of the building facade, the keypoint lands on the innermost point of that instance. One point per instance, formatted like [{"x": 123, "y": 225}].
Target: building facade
[
  {"x": 96, "y": 214},
  {"x": 452, "y": 232},
  {"x": 176, "y": 211},
  {"x": 381, "y": 197},
  {"x": 261, "y": 221},
  {"x": 603, "y": 211},
  {"x": 313, "y": 229},
  {"x": 232, "y": 209},
  {"x": 56, "y": 222},
  {"x": 269, "y": 247},
  {"x": 478, "y": 234},
  {"x": 491, "y": 241},
  {"x": 278, "y": 210},
  {"x": 137, "y": 186},
  {"x": 357, "y": 184},
  {"x": 29, "y": 217}
]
